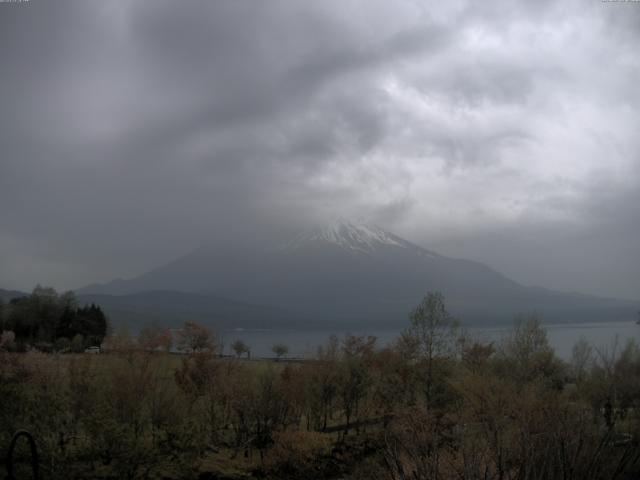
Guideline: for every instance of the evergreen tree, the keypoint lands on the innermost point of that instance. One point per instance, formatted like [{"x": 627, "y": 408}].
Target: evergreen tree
[{"x": 45, "y": 316}]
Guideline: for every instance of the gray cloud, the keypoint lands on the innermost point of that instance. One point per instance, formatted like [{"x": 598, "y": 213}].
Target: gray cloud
[{"x": 132, "y": 132}]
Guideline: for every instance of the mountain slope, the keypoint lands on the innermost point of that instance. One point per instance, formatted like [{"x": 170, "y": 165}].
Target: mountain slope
[
  {"x": 7, "y": 295},
  {"x": 172, "y": 308},
  {"x": 356, "y": 274}
]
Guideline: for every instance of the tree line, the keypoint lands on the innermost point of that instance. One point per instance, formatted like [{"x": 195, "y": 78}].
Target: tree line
[
  {"x": 435, "y": 404},
  {"x": 49, "y": 321}
]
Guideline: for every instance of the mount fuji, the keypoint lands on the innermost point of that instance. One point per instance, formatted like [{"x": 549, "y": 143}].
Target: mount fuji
[{"x": 346, "y": 274}]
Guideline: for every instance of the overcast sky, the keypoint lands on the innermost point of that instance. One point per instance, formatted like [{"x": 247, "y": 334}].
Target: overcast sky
[{"x": 506, "y": 132}]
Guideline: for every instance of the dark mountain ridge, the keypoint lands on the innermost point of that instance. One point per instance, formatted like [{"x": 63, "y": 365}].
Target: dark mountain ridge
[
  {"x": 346, "y": 274},
  {"x": 7, "y": 295}
]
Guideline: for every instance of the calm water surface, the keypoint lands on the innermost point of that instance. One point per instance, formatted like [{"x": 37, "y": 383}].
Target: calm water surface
[{"x": 561, "y": 337}]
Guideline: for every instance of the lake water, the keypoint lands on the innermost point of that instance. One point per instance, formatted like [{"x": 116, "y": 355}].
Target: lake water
[{"x": 562, "y": 337}]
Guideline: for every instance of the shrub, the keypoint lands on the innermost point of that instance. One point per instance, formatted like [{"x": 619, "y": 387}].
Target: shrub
[{"x": 297, "y": 453}]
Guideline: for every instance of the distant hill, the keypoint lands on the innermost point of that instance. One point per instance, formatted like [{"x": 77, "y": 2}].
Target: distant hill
[
  {"x": 7, "y": 295},
  {"x": 346, "y": 274},
  {"x": 172, "y": 308}
]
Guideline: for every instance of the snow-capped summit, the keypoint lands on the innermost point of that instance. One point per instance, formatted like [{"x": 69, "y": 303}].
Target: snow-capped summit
[
  {"x": 357, "y": 236},
  {"x": 344, "y": 274}
]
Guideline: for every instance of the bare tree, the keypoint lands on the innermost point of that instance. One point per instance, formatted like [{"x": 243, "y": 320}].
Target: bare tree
[
  {"x": 581, "y": 358},
  {"x": 432, "y": 334},
  {"x": 154, "y": 338},
  {"x": 195, "y": 338}
]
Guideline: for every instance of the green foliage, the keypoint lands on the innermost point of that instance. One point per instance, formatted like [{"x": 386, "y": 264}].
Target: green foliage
[
  {"x": 240, "y": 348},
  {"x": 526, "y": 355},
  {"x": 280, "y": 349},
  {"x": 45, "y": 316}
]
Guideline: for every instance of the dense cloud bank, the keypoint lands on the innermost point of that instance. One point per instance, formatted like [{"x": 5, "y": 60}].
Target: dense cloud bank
[{"x": 132, "y": 132}]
